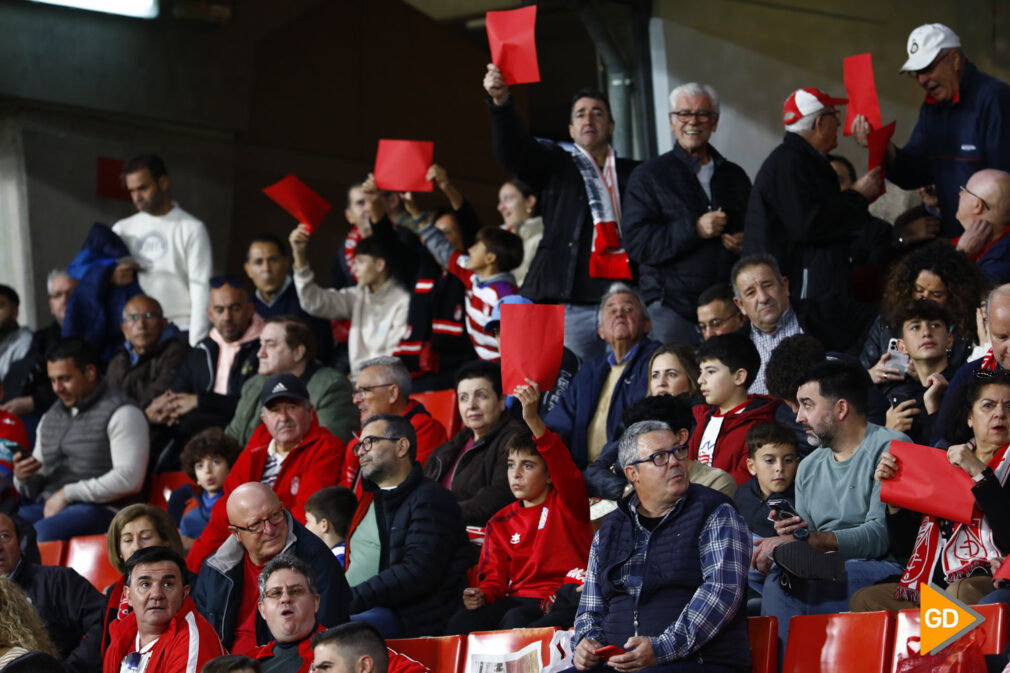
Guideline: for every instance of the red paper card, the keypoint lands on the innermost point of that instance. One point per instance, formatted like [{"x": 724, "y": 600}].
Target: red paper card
[
  {"x": 400, "y": 165},
  {"x": 878, "y": 140},
  {"x": 861, "y": 92},
  {"x": 1004, "y": 571},
  {"x": 532, "y": 342},
  {"x": 513, "y": 44},
  {"x": 926, "y": 482},
  {"x": 299, "y": 200},
  {"x": 108, "y": 179}
]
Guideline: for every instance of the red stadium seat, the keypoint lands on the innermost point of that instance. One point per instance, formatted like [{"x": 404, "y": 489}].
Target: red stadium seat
[
  {"x": 764, "y": 643},
  {"x": 441, "y": 404},
  {"x": 507, "y": 642},
  {"x": 994, "y": 626},
  {"x": 89, "y": 556},
  {"x": 53, "y": 552},
  {"x": 442, "y": 655},
  {"x": 162, "y": 486},
  {"x": 849, "y": 642}
]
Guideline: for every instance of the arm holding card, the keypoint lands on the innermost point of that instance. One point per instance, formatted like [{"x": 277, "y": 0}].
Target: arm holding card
[{"x": 315, "y": 300}]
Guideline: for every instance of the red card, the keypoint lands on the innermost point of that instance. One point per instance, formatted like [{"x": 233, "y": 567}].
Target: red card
[
  {"x": 400, "y": 165},
  {"x": 861, "y": 91},
  {"x": 299, "y": 200},
  {"x": 532, "y": 342},
  {"x": 513, "y": 44},
  {"x": 878, "y": 140},
  {"x": 1004, "y": 571},
  {"x": 926, "y": 482}
]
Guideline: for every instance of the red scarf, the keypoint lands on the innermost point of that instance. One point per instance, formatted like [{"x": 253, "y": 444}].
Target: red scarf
[{"x": 607, "y": 258}]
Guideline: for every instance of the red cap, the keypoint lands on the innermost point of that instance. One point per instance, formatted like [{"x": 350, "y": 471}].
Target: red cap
[{"x": 807, "y": 101}]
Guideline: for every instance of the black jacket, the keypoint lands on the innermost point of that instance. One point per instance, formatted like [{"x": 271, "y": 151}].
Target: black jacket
[
  {"x": 197, "y": 376},
  {"x": 559, "y": 272},
  {"x": 71, "y": 608},
  {"x": 661, "y": 207},
  {"x": 424, "y": 554}
]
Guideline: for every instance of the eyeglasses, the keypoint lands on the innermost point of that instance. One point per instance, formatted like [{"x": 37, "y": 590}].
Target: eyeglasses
[
  {"x": 218, "y": 281},
  {"x": 294, "y": 592},
  {"x": 985, "y": 206},
  {"x": 833, "y": 113},
  {"x": 714, "y": 324},
  {"x": 134, "y": 317},
  {"x": 256, "y": 527},
  {"x": 928, "y": 70},
  {"x": 685, "y": 115},
  {"x": 361, "y": 390},
  {"x": 369, "y": 442},
  {"x": 661, "y": 458}
]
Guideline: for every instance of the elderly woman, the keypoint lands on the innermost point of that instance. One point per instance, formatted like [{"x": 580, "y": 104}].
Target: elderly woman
[
  {"x": 472, "y": 464},
  {"x": 953, "y": 555},
  {"x": 24, "y": 645}
]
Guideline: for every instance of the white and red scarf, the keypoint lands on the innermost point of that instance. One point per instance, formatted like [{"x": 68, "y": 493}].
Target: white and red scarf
[
  {"x": 607, "y": 259},
  {"x": 969, "y": 546}
]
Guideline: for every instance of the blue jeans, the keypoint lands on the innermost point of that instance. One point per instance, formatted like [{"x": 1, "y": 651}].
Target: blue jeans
[
  {"x": 383, "y": 619},
  {"x": 997, "y": 596},
  {"x": 76, "y": 519},
  {"x": 668, "y": 325},
  {"x": 581, "y": 336}
]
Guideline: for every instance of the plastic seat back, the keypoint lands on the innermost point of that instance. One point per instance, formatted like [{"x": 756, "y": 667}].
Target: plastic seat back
[
  {"x": 443, "y": 654},
  {"x": 507, "y": 642},
  {"x": 995, "y": 627},
  {"x": 441, "y": 404},
  {"x": 53, "y": 553},
  {"x": 764, "y": 643},
  {"x": 162, "y": 486},
  {"x": 89, "y": 556},
  {"x": 849, "y": 642}
]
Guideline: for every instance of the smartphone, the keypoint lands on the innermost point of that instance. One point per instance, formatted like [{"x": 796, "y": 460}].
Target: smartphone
[
  {"x": 608, "y": 651},
  {"x": 783, "y": 507},
  {"x": 898, "y": 360},
  {"x": 898, "y": 398}
]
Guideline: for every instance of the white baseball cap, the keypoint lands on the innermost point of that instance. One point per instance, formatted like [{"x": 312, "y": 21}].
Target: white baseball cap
[
  {"x": 925, "y": 42},
  {"x": 803, "y": 102}
]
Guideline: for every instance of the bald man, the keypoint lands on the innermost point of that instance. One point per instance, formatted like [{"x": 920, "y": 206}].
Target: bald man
[
  {"x": 983, "y": 209},
  {"x": 226, "y": 591}
]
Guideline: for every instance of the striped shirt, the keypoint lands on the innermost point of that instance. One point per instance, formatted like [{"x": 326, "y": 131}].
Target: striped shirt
[{"x": 765, "y": 343}]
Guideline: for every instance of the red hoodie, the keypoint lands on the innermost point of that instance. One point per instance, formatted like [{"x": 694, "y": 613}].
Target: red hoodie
[
  {"x": 189, "y": 642},
  {"x": 730, "y": 451}
]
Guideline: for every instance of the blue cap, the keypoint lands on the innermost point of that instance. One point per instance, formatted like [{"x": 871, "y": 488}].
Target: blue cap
[{"x": 496, "y": 312}]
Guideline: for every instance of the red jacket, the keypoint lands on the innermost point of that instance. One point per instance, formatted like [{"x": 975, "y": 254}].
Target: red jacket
[
  {"x": 730, "y": 452},
  {"x": 430, "y": 434},
  {"x": 314, "y": 464},
  {"x": 187, "y": 644},
  {"x": 528, "y": 551}
]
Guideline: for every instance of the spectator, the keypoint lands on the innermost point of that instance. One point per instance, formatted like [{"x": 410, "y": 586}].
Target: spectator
[
  {"x": 268, "y": 265},
  {"x": 15, "y": 341},
  {"x": 959, "y": 126},
  {"x": 787, "y": 363},
  {"x": 517, "y": 205},
  {"x": 328, "y": 514},
  {"x": 590, "y": 410},
  {"x": 983, "y": 209},
  {"x": 718, "y": 314},
  {"x": 797, "y": 212},
  {"x": 693, "y": 614},
  {"x": 772, "y": 462},
  {"x": 151, "y": 356},
  {"x": 407, "y": 551},
  {"x": 951, "y": 555},
  {"x": 91, "y": 453},
  {"x": 287, "y": 346},
  {"x": 673, "y": 370},
  {"x": 291, "y": 454},
  {"x": 26, "y": 648},
  {"x": 838, "y": 543},
  {"x": 71, "y": 609},
  {"x": 356, "y": 212},
  {"x": 226, "y": 591},
  {"x": 164, "y": 633},
  {"x": 355, "y": 647},
  {"x": 206, "y": 459},
  {"x": 532, "y": 544},
  {"x": 684, "y": 215},
  {"x": 472, "y": 464},
  {"x": 580, "y": 253},
  {"x": 170, "y": 247},
  {"x": 288, "y": 602},
  {"x": 728, "y": 364}
]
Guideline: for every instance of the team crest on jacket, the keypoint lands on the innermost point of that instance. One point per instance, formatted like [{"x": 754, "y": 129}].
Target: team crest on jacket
[
  {"x": 515, "y": 538},
  {"x": 295, "y": 482}
]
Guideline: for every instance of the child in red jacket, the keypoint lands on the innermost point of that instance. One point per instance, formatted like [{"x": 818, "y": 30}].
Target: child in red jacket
[{"x": 532, "y": 544}]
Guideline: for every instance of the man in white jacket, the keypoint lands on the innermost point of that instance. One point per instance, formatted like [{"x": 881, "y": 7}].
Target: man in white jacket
[{"x": 170, "y": 247}]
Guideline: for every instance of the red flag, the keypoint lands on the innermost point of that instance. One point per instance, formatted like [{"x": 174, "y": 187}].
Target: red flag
[
  {"x": 532, "y": 342},
  {"x": 513, "y": 44},
  {"x": 861, "y": 91},
  {"x": 400, "y": 165},
  {"x": 299, "y": 200},
  {"x": 926, "y": 482}
]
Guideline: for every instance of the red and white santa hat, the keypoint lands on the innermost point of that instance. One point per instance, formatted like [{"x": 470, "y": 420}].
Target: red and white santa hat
[{"x": 803, "y": 102}]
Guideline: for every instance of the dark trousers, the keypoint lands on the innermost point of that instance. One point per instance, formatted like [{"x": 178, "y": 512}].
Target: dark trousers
[{"x": 504, "y": 613}]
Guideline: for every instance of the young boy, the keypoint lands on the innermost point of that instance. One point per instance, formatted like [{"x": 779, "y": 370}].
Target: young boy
[
  {"x": 772, "y": 459},
  {"x": 729, "y": 363},
  {"x": 484, "y": 271},
  {"x": 206, "y": 459},
  {"x": 532, "y": 544},
  {"x": 328, "y": 514}
]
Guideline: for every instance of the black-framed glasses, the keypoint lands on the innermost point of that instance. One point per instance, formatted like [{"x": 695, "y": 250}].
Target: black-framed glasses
[
  {"x": 361, "y": 390},
  {"x": 294, "y": 592},
  {"x": 368, "y": 442},
  {"x": 685, "y": 115},
  {"x": 219, "y": 281},
  {"x": 661, "y": 458},
  {"x": 134, "y": 317},
  {"x": 967, "y": 191},
  {"x": 715, "y": 323},
  {"x": 256, "y": 527}
]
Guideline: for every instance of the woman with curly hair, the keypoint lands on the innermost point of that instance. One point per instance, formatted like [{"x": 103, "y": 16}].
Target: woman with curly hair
[
  {"x": 936, "y": 272},
  {"x": 24, "y": 644}
]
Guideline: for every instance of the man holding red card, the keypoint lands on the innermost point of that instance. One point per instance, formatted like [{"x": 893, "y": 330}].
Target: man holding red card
[{"x": 580, "y": 253}]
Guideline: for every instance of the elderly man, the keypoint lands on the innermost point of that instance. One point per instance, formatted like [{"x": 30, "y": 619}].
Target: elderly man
[
  {"x": 589, "y": 413},
  {"x": 288, "y": 603},
  {"x": 797, "y": 212},
  {"x": 152, "y": 353},
  {"x": 407, "y": 550},
  {"x": 692, "y": 611},
  {"x": 983, "y": 209},
  {"x": 90, "y": 453},
  {"x": 580, "y": 201},
  {"x": 164, "y": 632},
  {"x": 960, "y": 126},
  {"x": 70, "y": 607},
  {"x": 718, "y": 313},
  {"x": 287, "y": 346},
  {"x": 226, "y": 590},
  {"x": 684, "y": 216},
  {"x": 290, "y": 453}
]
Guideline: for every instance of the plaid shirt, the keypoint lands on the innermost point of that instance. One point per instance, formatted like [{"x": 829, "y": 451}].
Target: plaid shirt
[
  {"x": 725, "y": 548},
  {"x": 787, "y": 326}
]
